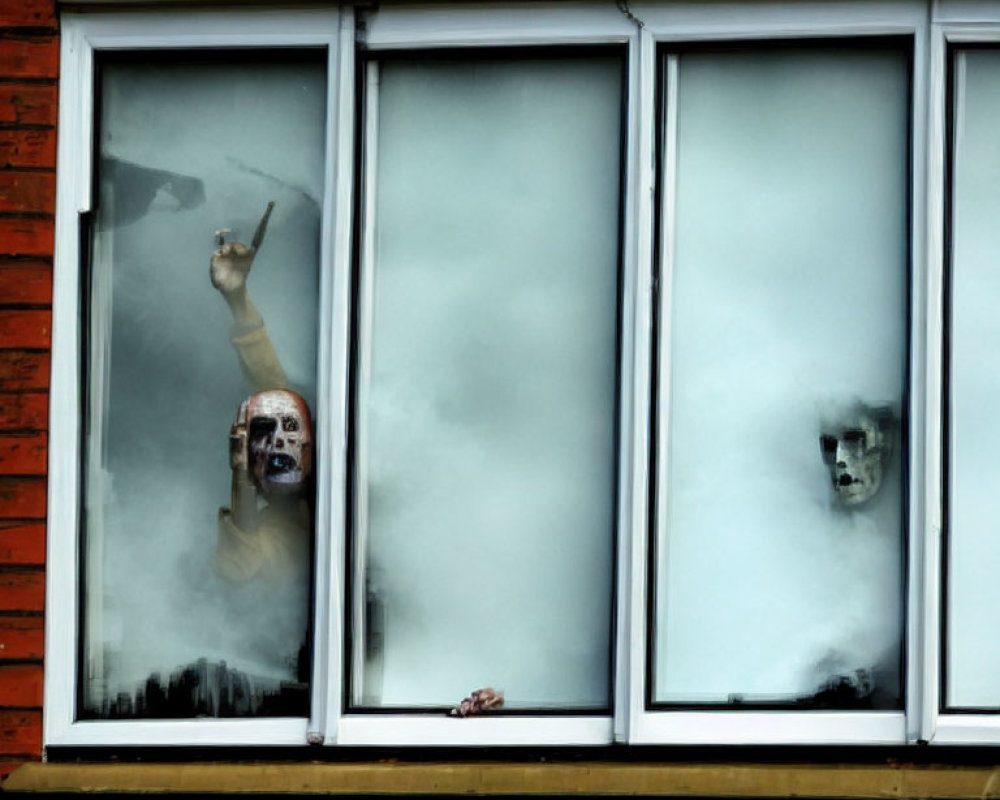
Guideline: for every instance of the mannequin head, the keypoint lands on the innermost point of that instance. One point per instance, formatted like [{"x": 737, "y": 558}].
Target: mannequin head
[
  {"x": 279, "y": 441},
  {"x": 857, "y": 453}
]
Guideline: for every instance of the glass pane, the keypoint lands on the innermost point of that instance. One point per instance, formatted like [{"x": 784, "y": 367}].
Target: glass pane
[
  {"x": 197, "y": 555},
  {"x": 485, "y": 415},
  {"x": 779, "y": 541},
  {"x": 973, "y": 596}
]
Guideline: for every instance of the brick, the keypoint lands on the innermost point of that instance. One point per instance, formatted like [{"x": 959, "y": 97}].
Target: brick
[
  {"x": 20, "y": 732},
  {"x": 25, "y": 328},
  {"x": 22, "y": 544},
  {"x": 21, "y": 637},
  {"x": 24, "y": 411},
  {"x": 22, "y": 498},
  {"x": 23, "y": 453},
  {"x": 28, "y": 148},
  {"x": 21, "y": 685},
  {"x": 27, "y": 192},
  {"x": 26, "y": 237},
  {"x": 22, "y": 591},
  {"x": 29, "y": 56},
  {"x": 28, "y": 14},
  {"x": 23, "y": 370},
  {"x": 31, "y": 104},
  {"x": 25, "y": 282}
]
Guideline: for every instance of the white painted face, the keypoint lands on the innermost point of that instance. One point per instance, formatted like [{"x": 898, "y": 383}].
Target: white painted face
[
  {"x": 857, "y": 456},
  {"x": 279, "y": 441}
]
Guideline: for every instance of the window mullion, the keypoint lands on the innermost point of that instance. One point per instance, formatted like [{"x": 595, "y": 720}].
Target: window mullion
[
  {"x": 656, "y": 279},
  {"x": 335, "y": 259},
  {"x": 635, "y": 381},
  {"x": 928, "y": 303}
]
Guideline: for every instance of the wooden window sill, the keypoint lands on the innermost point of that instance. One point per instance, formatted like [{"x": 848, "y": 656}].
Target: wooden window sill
[{"x": 573, "y": 779}]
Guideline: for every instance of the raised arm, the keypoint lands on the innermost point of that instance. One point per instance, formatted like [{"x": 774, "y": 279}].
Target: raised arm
[{"x": 229, "y": 268}]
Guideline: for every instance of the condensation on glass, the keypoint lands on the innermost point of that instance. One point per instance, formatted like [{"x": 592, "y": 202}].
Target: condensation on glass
[
  {"x": 779, "y": 535},
  {"x": 486, "y": 382},
  {"x": 184, "y": 613},
  {"x": 973, "y": 548}
]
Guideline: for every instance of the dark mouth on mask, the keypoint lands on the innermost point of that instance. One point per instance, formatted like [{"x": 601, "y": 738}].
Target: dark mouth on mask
[{"x": 279, "y": 463}]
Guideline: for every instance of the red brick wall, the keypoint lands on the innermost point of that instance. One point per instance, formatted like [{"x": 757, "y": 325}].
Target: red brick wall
[{"x": 29, "y": 68}]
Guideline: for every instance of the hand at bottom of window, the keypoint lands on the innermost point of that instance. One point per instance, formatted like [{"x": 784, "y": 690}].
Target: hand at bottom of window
[{"x": 487, "y": 699}]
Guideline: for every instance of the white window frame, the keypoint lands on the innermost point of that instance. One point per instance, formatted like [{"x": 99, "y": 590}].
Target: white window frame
[
  {"x": 954, "y": 23},
  {"x": 641, "y": 26},
  {"x": 679, "y": 23},
  {"x": 405, "y": 28},
  {"x": 84, "y": 37}
]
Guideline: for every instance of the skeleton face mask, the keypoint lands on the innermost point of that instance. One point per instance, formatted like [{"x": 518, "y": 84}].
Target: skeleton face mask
[
  {"x": 279, "y": 441},
  {"x": 857, "y": 455}
]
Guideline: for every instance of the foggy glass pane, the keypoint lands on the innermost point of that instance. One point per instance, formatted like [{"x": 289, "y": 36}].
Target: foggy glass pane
[
  {"x": 779, "y": 539},
  {"x": 485, "y": 414},
  {"x": 973, "y": 597},
  {"x": 197, "y": 576}
]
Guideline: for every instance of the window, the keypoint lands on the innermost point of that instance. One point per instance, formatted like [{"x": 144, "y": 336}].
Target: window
[
  {"x": 968, "y": 703},
  {"x": 485, "y": 397},
  {"x": 792, "y": 291},
  {"x": 192, "y": 608},
  {"x": 968, "y": 600},
  {"x": 601, "y": 374},
  {"x": 183, "y": 140}
]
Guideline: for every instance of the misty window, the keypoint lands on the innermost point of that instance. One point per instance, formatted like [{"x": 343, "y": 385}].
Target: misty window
[
  {"x": 972, "y": 604},
  {"x": 779, "y": 531},
  {"x": 611, "y": 374},
  {"x": 187, "y": 609},
  {"x": 485, "y": 404}
]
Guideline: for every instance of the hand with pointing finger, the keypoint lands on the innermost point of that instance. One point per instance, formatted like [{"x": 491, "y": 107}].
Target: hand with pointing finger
[{"x": 231, "y": 261}]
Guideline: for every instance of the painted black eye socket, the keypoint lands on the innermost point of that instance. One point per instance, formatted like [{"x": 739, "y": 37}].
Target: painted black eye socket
[
  {"x": 261, "y": 427},
  {"x": 855, "y": 436},
  {"x": 828, "y": 444},
  {"x": 289, "y": 424}
]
